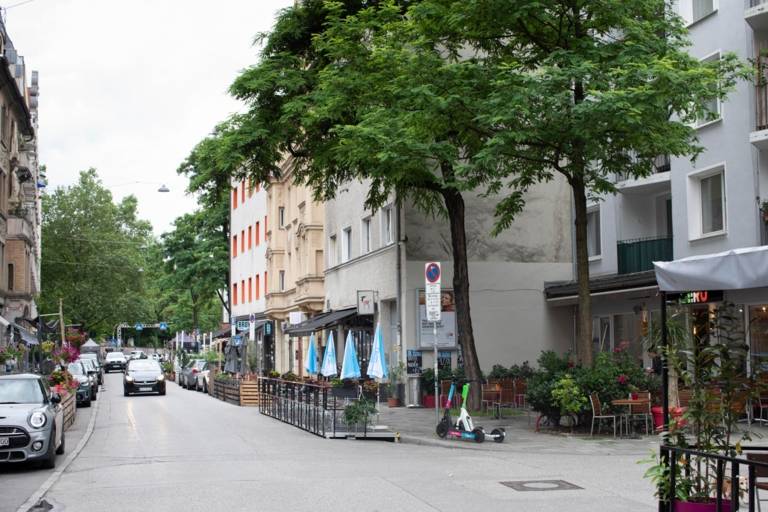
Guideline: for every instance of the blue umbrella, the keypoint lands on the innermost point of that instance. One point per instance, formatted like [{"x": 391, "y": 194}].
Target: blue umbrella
[
  {"x": 377, "y": 366},
  {"x": 328, "y": 368},
  {"x": 350, "y": 368},
  {"x": 310, "y": 364}
]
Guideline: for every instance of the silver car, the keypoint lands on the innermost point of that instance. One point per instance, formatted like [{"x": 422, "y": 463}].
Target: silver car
[{"x": 31, "y": 420}]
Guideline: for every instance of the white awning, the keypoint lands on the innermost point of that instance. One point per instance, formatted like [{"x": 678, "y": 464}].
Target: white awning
[{"x": 731, "y": 270}]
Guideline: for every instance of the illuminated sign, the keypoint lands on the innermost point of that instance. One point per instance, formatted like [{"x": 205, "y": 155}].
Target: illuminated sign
[{"x": 696, "y": 297}]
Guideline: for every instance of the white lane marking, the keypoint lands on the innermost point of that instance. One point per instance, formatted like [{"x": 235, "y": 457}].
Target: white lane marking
[{"x": 38, "y": 495}]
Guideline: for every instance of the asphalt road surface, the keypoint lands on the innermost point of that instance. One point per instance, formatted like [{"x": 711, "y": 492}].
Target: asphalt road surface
[{"x": 187, "y": 451}]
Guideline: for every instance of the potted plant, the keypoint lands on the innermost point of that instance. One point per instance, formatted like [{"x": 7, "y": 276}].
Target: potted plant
[
  {"x": 358, "y": 412},
  {"x": 571, "y": 400},
  {"x": 711, "y": 364},
  {"x": 764, "y": 210},
  {"x": 395, "y": 375}
]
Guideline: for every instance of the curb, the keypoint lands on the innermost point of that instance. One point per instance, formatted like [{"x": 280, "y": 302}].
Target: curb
[{"x": 38, "y": 495}]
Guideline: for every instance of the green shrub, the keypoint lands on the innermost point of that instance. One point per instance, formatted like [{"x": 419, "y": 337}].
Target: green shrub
[{"x": 567, "y": 395}]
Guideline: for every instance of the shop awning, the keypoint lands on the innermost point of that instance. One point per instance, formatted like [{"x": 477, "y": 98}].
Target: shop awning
[
  {"x": 601, "y": 285},
  {"x": 731, "y": 270},
  {"x": 320, "y": 322}
]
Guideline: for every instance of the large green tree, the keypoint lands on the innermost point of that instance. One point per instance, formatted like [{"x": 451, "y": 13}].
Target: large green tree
[
  {"x": 364, "y": 95},
  {"x": 581, "y": 88},
  {"x": 94, "y": 256}
]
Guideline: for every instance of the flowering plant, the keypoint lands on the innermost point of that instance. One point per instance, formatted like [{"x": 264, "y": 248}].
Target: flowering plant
[
  {"x": 622, "y": 379},
  {"x": 66, "y": 354},
  {"x": 47, "y": 347},
  {"x": 62, "y": 380}
]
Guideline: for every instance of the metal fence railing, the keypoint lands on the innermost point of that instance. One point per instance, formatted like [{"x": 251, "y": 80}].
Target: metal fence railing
[
  {"x": 639, "y": 254},
  {"x": 720, "y": 474},
  {"x": 319, "y": 410}
]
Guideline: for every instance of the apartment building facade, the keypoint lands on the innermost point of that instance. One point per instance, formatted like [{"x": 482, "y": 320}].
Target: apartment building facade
[
  {"x": 375, "y": 276},
  {"x": 715, "y": 204},
  {"x": 20, "y": 206},
  {"x": 248, "y": 271},
  {"x": 295, "y": 264}
]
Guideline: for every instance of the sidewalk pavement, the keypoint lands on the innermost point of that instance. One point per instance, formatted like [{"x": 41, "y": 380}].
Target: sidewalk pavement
[{"x": 417, "y": 425}]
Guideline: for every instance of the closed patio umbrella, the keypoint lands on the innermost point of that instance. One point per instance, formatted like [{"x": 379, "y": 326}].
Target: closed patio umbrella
[
  {"x": 377, "y": 366},
  {"x": 310, "y": 364},
  {"x": 350, "y": 368},
  {"x": 328, "y": 368}
]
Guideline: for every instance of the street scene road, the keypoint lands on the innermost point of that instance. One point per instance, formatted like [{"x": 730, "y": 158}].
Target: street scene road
[
  {"x": 383, "y": 255},
  {"x": 189, "y": 450}
]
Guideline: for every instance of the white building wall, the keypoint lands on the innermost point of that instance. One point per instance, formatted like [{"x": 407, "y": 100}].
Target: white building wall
[{"x": 250, "y": 262}]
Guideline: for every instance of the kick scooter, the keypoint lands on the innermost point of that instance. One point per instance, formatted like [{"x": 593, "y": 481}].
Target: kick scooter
[{"x": 464, "y": 428}]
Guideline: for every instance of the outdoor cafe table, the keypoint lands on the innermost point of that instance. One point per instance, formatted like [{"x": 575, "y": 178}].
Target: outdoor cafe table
[{"x": 628, "y": 403}]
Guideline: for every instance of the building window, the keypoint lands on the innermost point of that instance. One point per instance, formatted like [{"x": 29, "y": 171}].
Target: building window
[
  {"x": 10, "y": 277},
  {"x": 242, "y": 291},
  {"x": 250, "y": 289},
  {"x": 242, "y": 241},
  {"x": 386, "y": 226},
  {"x": 281, "y": 217},
  {"x": 332, "y": 250},
  {"x": 257, "y": 287},
  {"x": 593, "y": 233},
  {"x": 250, "y": 187},
  {"x": 234, "y": 198},
  {"x": 281, "y": 280},
  {"x": 266, "y": 284},
  {"x": 713, "y": 107},
  {"x": 234, "y": 294},
  {"x": 346, "y": 245},
  {"x": 365, "y": 236},
  {"x": 242, "y": 191},
  {"x": 694, "y": 10},
  {"x": 265, "y": 228},
  {"x": 234, "y": 246},
  {"x": 250, "y": 237},
  {"x": 712, "y": 204},
  {"x": 257, "y": 234}
]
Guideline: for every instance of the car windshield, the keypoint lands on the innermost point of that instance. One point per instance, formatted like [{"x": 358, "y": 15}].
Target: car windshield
[
  {"x": 88, "y": 364},
  {"x": 20, "y": 391},
  {"x": 75, "y": 368},
  {"x": 115, "y": 356},
  {"x": 143, "y": 365},
  {"x": 199, "y": 364}
]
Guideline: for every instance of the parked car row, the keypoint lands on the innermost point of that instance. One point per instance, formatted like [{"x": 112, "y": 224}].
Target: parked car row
[
  {"x": 31, "y": 421},
  {"x": 195, "y": 375}
]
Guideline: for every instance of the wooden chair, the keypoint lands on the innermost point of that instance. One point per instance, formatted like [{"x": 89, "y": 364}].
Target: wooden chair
[
  {"x": 760, "y": 473},
  {"x": 491, "y": 394},
  {"x": 642, "y": 411},
  {"x": 521, "y": 389},
  {"x": 597, "y": 414}
]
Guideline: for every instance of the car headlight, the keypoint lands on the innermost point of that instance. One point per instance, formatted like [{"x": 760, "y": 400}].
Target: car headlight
[
  {"x": 161, "y": 377},
  {"x": 128, "y": 378},
  {"x": 37, "y": 419}
]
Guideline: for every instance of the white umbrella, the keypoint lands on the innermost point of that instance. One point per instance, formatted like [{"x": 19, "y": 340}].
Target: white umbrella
[
  {"x": 377, "y": 366},
  {"x": 328, "y": 368}
]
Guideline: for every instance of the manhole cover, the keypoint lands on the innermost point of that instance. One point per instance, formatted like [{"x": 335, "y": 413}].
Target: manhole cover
[{"x": 541, "y": 485}]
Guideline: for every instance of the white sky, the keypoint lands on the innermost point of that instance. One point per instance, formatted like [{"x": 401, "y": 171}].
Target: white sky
[{"x": 130, "y": 87}]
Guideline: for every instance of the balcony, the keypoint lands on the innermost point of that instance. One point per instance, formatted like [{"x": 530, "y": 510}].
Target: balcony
[
  {"x": 757, "y": 15},
  {"x": 639, "y": 254},
  {"x": 759, "y": 137}
]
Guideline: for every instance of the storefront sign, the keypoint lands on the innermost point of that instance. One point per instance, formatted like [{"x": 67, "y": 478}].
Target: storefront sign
[
  {"x": 365, "y": 302},
  {"x": 414, "y": 362},
  {"x": 696, "y": 297},
  {"x": 446, "y": 326}
]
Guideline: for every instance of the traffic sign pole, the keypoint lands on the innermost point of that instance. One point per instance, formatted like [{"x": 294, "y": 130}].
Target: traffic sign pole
[{"x": 432, "y": 302}]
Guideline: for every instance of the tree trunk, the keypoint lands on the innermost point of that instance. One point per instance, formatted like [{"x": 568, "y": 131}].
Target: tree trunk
[
  {"x": 454, "y": 204},
  {"x": 584, "y": 342}
]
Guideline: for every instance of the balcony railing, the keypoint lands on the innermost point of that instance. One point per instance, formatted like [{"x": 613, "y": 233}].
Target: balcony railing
[
  {"x": 639, "y": 254},
  {"x": 661, "y": 163},
  {"x": 755, "y": 3}
]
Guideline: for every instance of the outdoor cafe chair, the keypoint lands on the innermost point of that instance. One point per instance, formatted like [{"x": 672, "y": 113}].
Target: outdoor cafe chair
[
  {"x": 597, "y": 414},
  {"x": 642, "y": 411},
  {"x": 761, "y": 475}
]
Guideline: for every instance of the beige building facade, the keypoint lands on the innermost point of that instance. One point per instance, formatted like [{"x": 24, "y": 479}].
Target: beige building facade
[{"x": 295, "y": 264}]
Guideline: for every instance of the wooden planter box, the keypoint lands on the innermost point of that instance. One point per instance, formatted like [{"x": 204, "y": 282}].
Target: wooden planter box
[
  {"x": 237, "y": 392},
  {"x": 69, "y": 404}
]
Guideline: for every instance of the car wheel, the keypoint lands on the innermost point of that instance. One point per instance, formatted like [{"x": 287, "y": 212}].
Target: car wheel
[
  {"x": 87, "y": 403},
  {"x": 125, "y": 392},
  {"x": 94, "y": 395},
  {"x": 197, "y": 385},
  {"x": 162, "y": 391},
  {"x": 205, "y": 387},
  {"x": 60, "y": 449},
  {"x": 49, "y": 462}
]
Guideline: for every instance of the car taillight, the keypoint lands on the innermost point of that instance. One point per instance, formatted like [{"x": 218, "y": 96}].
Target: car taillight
[{"x": 194, "y": 370}]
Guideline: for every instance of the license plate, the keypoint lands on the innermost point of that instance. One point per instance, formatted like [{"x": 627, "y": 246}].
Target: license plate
[
  {"x": 145, "y": 389},
  {"x": 5, "y": 441}
]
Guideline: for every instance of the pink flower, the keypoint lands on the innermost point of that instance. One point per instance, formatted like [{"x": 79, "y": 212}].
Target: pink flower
[{"x": 622, "y": 379}]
